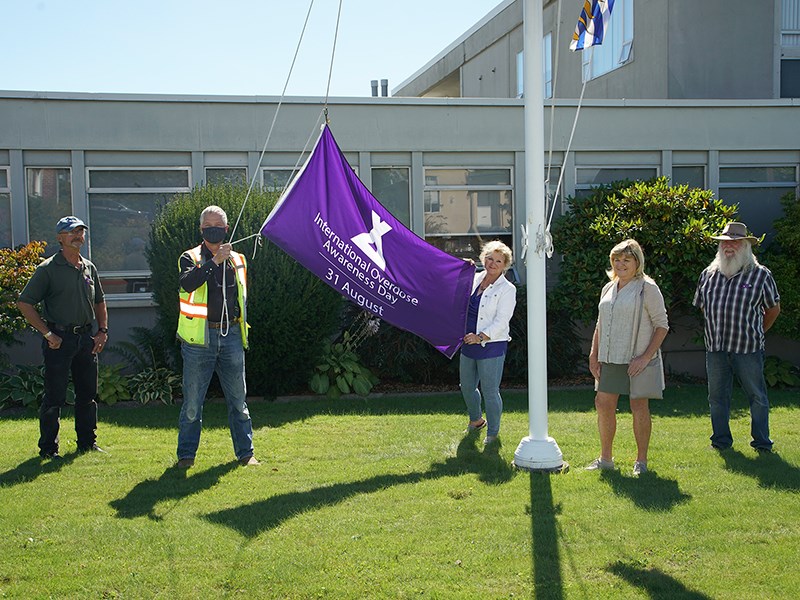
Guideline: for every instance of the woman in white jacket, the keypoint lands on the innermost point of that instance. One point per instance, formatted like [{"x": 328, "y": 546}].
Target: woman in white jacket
[
  {"x": 484, "y": 351},
  {"x": 631, "y": 325}
]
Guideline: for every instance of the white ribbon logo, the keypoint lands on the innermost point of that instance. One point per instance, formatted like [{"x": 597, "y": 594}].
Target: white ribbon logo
[{"x": 365, "y": 241}]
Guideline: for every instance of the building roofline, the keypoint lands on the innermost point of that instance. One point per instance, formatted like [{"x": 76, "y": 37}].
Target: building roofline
[{"x": 460, "y": 40}]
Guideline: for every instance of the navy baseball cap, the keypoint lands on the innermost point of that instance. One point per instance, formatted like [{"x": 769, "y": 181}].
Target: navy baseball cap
[{"x": 68, "y": 224}]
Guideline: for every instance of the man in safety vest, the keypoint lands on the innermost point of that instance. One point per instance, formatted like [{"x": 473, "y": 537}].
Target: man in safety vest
[{"x": 212, "y": 327}]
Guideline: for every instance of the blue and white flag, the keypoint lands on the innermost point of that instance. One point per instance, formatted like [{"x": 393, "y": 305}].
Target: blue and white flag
[{"x": 592, "y": 24}]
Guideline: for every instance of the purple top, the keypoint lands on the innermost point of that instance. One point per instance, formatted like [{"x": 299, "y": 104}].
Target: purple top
[{"x": 476, "y": 351}]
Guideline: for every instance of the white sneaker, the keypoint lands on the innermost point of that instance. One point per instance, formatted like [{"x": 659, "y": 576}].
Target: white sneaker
[
  {"x": 639, "y": 467},
  {"x": 489, "y": 439},
  {"x": 598, "y": 464}
]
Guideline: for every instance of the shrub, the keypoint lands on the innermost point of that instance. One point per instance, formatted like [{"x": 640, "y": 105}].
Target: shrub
[
  {"x": 563, "y": 342},
  {"x": 291, "y": 312},
  {"x": 16, "y": 268},
  {"x": 155, "y": 384},
  {"x": 26, "y": 388},
  {"x": 783, "y": 259},
  {"x": 674, "y": 226},
  {"x": 112, "y": 385}
]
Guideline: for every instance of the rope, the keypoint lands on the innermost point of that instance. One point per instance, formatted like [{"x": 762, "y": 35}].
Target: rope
[
  {"x": 333, "y": 54},
  {"x": 274, "y": 119}
]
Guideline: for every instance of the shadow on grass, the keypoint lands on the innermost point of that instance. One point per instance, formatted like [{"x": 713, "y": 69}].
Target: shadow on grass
[
  {"x": 174, "y": 484},
  {"x": 34, "y": 467},
  {"x": 770, "y": 470},
  {"x": 252, "y": 519},
  {"x": 547, "y": 582},
  {"x": 648, "y": 491},
  {"x": 658, "y": 585}
]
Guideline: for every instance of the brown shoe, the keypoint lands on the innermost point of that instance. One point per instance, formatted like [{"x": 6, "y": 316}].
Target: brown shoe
[
  {"x": 186, "y": 463},
  {"x": 249, "y": 461}
]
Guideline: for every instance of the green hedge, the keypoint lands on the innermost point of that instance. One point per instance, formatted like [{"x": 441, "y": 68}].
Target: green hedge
[
  {"x": 291, "y": 312},
  {"x": 783, "y": 259},
  {"x": 673, "y": 224}
]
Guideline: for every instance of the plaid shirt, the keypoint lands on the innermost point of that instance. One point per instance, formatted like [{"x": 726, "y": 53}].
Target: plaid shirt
[{"x": 734, "y": 308}]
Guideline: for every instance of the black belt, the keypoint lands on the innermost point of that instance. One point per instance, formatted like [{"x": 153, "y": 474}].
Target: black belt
[
  {"x": 215, "y": 325},
  {"x": 75, "y": 329}
]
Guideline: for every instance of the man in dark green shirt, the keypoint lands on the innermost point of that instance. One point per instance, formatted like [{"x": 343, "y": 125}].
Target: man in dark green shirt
[{"x": 68, "y": 288}]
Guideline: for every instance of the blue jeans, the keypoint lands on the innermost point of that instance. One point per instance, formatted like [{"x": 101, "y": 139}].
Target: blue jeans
[
  {"x": 225, "y": 355},
  {"x": 487, "y": 372},
  {"x": 749, "y": 369}
]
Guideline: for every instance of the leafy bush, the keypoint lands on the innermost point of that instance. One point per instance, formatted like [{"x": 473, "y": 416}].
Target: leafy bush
[
  {"x": 674, "y": 226},
  {"x": 26, "y": 387},
  {"x": 145, "y": 349},
  {"x": 341, "y": 371},
  {"x": 563, "y": 342},
  {"x": 783, "y": 259},
  {"x": 397, "y": 355},
  {"x": 16, "y": 268},
  {"x": 780, "y": 373},
  {"x": 291, "y": 312},
  {"x": 155, "y": 384},
  {"x": 112, "y": 385}
]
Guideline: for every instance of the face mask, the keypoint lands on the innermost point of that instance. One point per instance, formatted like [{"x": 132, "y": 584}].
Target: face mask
[{"x": 213, "y": 235}]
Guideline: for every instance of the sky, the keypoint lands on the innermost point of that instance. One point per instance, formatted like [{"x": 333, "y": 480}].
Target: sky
[{"x": 224, "y": 47}]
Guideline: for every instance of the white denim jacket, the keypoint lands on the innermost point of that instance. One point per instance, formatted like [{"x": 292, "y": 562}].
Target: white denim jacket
[{"x": 496, "y": 308}]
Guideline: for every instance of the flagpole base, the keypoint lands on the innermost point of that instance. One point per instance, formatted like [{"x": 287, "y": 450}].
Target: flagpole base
[{"x": 540, "y": 456}]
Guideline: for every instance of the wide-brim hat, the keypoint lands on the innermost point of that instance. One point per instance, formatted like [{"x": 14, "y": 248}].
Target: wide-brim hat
[
  {"x": 69, "y": 223},
  {"x": 735, "y": 231}
]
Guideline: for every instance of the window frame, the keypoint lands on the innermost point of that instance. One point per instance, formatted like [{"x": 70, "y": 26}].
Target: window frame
[
  {"x": 90, "y": 190},
  {"x": 509, "y": 187},
  {"x": 582, "y": 187},
  {"x": 597, "y": 61},
  {"x": 6, "y": 190},
  {"x": 407, "y": 169},
  {"x": 208, "y": 168},
  {"x": 27, "y": 194}
]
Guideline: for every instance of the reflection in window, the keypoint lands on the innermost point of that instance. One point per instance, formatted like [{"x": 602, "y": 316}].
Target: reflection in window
[
  {"x": 275, "y": 180},
  {"x": 222, "y": 176},
  {"x": 390, "y": 185},
  {"x": 617, "y": 44},
  {"x": 694, "y": 177},
  {"x": 758, "y": 191},
  {"x": 5, "y": 210},
  {"x": 122, "y": 206},
  {"x": 464, "y": 208},
  {"x": 49, "y": 194},
  {"x": 588, "y": 178}
]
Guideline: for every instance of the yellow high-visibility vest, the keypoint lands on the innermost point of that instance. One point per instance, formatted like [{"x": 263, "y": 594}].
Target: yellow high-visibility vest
[{"x": 193, "y": 317}]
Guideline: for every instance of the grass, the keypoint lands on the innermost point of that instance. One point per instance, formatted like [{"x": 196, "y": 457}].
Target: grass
[{"x": 386, "y": 498}]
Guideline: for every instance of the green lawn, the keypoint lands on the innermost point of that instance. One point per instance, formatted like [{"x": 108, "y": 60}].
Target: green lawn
[{"x": 386, "y": 498}]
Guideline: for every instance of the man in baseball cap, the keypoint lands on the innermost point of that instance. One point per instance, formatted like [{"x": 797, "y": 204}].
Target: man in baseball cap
[
  {"x": 67, "y": 224},
  {"x": 67, "y": 287}
]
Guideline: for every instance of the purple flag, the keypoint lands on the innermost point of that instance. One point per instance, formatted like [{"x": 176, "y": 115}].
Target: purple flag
[{"x": 331, "y": 224}]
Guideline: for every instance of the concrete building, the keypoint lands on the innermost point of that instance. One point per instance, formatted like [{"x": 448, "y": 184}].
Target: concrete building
[{"x": 702, "y": 92}]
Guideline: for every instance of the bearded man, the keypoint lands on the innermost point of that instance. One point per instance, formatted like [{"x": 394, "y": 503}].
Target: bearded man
[{"x": 740, "y": 302}]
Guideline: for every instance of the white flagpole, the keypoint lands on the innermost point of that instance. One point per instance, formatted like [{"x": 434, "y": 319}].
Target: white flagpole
[{"x": 537, "y": 451}]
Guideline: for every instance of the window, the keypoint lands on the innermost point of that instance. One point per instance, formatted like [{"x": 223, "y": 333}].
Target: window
[
  {"x": 547, "y": 68},
  {"x": 223, "y": 175},
  {"x": 5, "y": 210},
  {"x": 466, "y": 207},
  {"x": 790, "y": 24},
  {"x": 275, "y": 179},
  {"x": 758, "y": 191},
  {"x": 390, "y": 185},
  {"x": 122, "y": 205},
  {"x": 693, "y": 176},
  {"x": 617, "y": 44},
  {"x": 49, "y": 192},
  {"x": 588, "y": 178}
]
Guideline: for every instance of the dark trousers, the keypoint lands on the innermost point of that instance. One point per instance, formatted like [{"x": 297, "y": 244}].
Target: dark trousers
[{"x": 75, "y": 357}]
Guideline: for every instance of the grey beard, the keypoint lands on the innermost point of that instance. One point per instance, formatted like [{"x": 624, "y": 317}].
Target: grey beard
[{"x": 741, "y": 261}]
